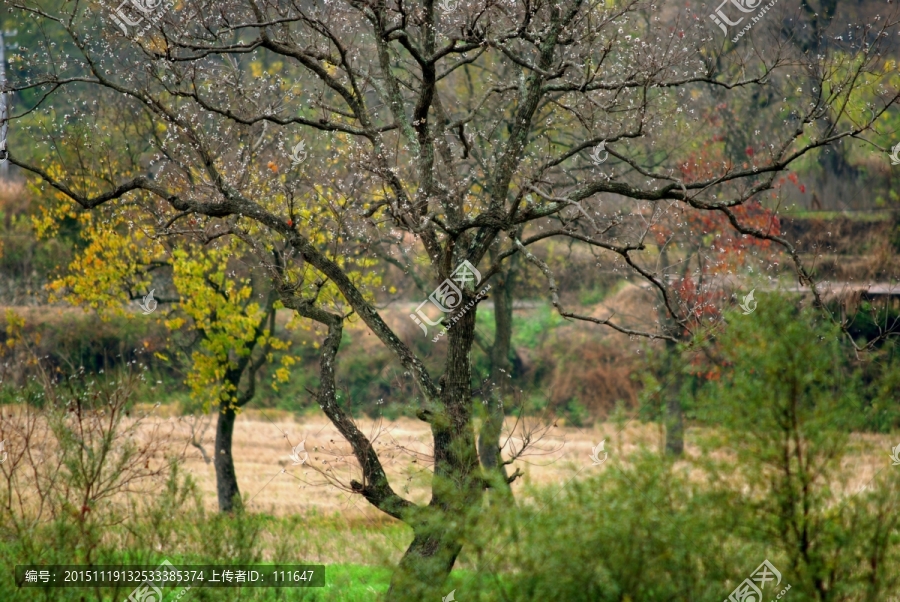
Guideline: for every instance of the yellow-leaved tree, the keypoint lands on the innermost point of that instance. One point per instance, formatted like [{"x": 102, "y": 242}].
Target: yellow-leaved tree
[{"x": 207, "y": 297}]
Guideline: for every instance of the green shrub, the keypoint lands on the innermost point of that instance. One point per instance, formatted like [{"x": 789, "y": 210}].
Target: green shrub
[
  {"x": 766, "y": 479},
  {"x": 785, "y": 406},
  {"x": 638, "y": 531}
]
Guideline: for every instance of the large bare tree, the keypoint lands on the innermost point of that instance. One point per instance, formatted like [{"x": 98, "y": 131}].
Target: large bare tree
[{"x": 470, "y": 131}]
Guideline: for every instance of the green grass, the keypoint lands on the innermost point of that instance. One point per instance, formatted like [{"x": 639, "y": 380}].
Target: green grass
[
  {"x": 531, "y": 329},
  {"x": 350, "y": 582},
  {"x": 598, "y": 294},
  {"x": 858, "y": 216}
]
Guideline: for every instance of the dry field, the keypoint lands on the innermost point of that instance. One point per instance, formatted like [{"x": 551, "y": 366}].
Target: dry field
[
  {"x": 316, "y": 491},
  {"x": 268, "y": 478}
]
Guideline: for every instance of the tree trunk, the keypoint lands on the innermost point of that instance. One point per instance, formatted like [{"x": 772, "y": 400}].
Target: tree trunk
[
  {"x": 674, "y": 418},
  {"x": 226, "y": 480},
  {"x": 674, "y": 425},
  {"x": 499, "y": 381},
  {"x": 489, "y": 447},
  {"x": 458, "y": 484},
  {"x": 425, "y": 566}
]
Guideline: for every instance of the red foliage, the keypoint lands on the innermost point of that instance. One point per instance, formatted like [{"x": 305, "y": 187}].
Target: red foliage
[
  {"x": 704, "y": 248},
  {"x": 707, "y": 241}
]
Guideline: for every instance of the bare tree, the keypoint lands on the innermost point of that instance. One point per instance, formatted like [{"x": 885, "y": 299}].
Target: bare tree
[{"x": 478, "y": 128}]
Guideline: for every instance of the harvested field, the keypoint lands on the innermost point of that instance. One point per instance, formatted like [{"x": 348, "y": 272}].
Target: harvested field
[{"x": 262, "y": 449}]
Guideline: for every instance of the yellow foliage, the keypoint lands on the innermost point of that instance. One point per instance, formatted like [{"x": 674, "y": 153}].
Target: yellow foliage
[
  {"x": 14, "y": 327},
  {"x": 120, "y": 246}
]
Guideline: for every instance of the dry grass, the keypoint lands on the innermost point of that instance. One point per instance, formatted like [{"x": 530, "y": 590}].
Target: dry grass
[
  {"x": 266, "y": 475},
  {"x": 273, "y": 485},
  {"x": 325, "y": 511}
]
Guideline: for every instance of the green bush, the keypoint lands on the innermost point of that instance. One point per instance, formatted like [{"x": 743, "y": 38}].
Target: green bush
[
  {"x": 638, "y": 531},
  {"x": 785, "y": 406},
  {"x": 767, "y": 479}
]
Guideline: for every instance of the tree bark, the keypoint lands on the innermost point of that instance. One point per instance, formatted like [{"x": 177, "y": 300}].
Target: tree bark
[
  {"x": 674, "y": 417},
  {"x": 489, "y": 446},
  {"x": 674, "y": 426},
  {"x": 458, "y": 483},
  {"x": 424, "y": 567},
  {"x": 226, "y": 480},
  {"x": 499, "y": 380}
]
